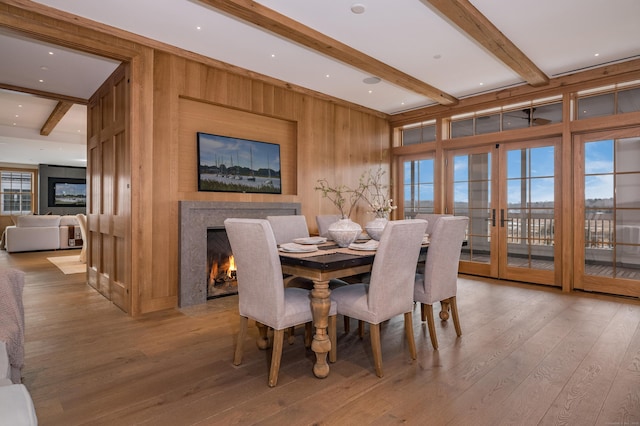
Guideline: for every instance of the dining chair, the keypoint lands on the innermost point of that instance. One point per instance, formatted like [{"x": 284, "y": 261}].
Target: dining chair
[
  {"x": 261, "y": 293},
  {"x": 285, "y": 229},
  {"x": 439, "y": 282},
  {"x": 432, "y": 219},
  {"x": 288, "y": 227},
  {"x": 390, "y": 291},
  {"x": 324, "y": 221},
  {"x": 82, "y": 222}
]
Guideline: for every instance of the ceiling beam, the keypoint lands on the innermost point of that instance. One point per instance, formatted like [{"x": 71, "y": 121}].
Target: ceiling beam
[
  {"x": 57, "y": 114},
  {"x": 469, "y": 19},
  {"x": 43, "y": 94},
  {"x": 274, "y": 22}
]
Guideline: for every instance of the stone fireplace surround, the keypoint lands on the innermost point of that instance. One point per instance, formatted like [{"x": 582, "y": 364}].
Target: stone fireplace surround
[{"x": 198, "y": 216}]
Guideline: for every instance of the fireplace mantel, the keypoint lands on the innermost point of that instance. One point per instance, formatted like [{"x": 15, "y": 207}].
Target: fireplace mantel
[{"x": 198, "y": 216}]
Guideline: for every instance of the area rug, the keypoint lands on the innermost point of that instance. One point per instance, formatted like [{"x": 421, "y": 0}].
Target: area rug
[{"x": 69, "y": 264}]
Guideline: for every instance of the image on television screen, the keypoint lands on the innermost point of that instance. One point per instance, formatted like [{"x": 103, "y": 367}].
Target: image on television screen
[{"x": 227, "y": 164}]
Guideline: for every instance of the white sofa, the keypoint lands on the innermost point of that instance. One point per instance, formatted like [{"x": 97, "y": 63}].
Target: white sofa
[
  {"x": 16, "y": 405},
  {"x": 47, "y": 232}
]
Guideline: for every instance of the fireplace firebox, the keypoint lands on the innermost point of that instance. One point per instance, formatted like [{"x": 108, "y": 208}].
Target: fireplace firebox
[
  {"x": 221, "y": 269},
  {"x": 198, "y": 216}
]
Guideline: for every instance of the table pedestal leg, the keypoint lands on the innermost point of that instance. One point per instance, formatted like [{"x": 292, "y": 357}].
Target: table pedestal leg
[
  {"x": 321, "y": 345},
  {"x": 263, "y": 339},
  {"x": 444, "y": 310}
]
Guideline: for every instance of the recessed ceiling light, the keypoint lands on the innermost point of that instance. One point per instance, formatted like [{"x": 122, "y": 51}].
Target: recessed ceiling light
[
  {"x": 371, "y": 80},
  {"x": 327, "y": 76},
  {"x": 370, "y": 91},
  {"x": 358, "y": 8},
  {"x": 50, "y": 53},
  {"x": 43, "y": 68},
  {"x": 19, "y": 106},
  {"x": 597, "y": 54},
  {"x": 198, "y": 28},
  {"x": 41, "y": 81},
  {"x": 273, "y": 55},
  {"x": 481, "y": 84}
]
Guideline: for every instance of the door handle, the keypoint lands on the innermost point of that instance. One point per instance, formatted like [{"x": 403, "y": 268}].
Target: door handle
[
  {"x": 503, "y": 219},
  {"x": 492, "y": 219}
]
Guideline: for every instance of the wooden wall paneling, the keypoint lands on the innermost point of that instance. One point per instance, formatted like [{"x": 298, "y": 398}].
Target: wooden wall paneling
[
  {"x": 94, "y": 172},
  {"x": 239, "y": 92},
  {"x": 314, "y": 157},
  {"x": 140, "y": 198},
  {"x": 165, "y": 183},
  {"x": 200, "y": 116}
]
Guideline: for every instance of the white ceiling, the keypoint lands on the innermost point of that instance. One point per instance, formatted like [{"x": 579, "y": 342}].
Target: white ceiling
[{"x": 560, "y": 37}]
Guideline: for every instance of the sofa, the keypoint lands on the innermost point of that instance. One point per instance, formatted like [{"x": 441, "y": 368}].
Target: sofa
[
  {"x": 46, "y": 232},
  {"x": 16, "y": 405}
]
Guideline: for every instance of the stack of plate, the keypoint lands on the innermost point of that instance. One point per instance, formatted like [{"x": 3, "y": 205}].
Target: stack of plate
[{"x": 298, "y": 248}]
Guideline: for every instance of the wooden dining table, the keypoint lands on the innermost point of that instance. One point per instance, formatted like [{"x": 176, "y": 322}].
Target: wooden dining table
[{"x": 329, "y": 262}]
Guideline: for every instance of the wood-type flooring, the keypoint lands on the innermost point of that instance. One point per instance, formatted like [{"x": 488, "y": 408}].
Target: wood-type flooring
[{"x": 529, "y": 355}]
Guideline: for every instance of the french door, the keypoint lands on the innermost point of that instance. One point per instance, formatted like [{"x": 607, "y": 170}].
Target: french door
[
  {"x": 509, "y": 192},
  {"x": 607, "y": 212}
]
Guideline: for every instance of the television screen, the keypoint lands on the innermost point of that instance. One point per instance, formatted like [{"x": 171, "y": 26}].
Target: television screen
[
  {"x": 67, "y": 192},
  {"x": 227, "y": 164}
]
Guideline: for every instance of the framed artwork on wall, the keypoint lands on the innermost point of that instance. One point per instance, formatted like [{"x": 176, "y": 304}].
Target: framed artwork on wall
[{"x": 227, "y": 164}]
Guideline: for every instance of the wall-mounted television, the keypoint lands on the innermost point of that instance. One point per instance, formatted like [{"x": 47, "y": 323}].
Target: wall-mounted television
[
  {"x": 227, "y": 164},
  {"x": 67, "y": 192}
]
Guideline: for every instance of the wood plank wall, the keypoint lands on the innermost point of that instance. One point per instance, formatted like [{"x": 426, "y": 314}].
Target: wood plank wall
[
  {"x": 335, "y": 139},
  {"x": 318, "y": 138}
]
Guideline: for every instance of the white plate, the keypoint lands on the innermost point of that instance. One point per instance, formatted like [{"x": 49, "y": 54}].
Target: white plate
[
  {"x": 310, "y": 240},
  {"x": 297, "y": 248},
  {"x": 370, "y": 245}
]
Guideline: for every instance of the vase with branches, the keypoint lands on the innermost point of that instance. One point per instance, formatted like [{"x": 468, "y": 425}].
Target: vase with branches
[{"x": 375, "y": 193}]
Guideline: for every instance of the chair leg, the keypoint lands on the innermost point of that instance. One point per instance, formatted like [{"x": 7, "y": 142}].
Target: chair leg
[
  {"x": 242, "y": 334},
  {"x": 432, "y": 326},
  {"x": 423, "y": 313},
  {"x": 408, "y": 329},
  {"x": 292, "y": 335},
  {"x": 374, "y": 331},
  {"x": 454, "y": 315},
  {"x": 308, "y": 334},
  {"x": 276, "y": 356},
  {"x": 361, "y": 329},
  {"x": 333, "y": 338}
]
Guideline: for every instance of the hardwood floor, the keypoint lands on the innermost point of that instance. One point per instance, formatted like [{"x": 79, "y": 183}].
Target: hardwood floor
[{"x": 528, "y": 355}]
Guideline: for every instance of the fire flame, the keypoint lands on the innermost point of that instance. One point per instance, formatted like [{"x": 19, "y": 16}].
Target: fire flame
[{"x": 231, "y": 272}]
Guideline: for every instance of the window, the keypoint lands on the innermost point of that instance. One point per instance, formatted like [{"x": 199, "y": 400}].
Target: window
[
  {"x": 604, "y": 101},
  {"x": 419, "y": 187},
  {"x": 425, "y": 132},
  {"x": 528, "y": 114},
  {"x": 16, "y": 192}
]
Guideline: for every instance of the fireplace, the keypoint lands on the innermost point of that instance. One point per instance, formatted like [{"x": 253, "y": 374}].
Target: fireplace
[
  {"x": 196, "y": 217},
  {"x": 221, "y": 268}
]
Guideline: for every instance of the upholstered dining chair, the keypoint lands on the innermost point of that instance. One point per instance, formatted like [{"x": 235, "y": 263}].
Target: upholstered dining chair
[
  {"x": 432, "y": 219},
  {"x": 82, "y": 222},
  {"x": 324, "y": 221},
  {"x": 261, "y": 293},
  {"x": 390, "y": 290},
  {"x": 439, "y": 282},
  {"x": 287, "y": 227}
]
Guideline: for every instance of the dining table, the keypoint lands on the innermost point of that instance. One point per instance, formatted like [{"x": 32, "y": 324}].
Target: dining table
[{"x": 328, "y": 262}]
